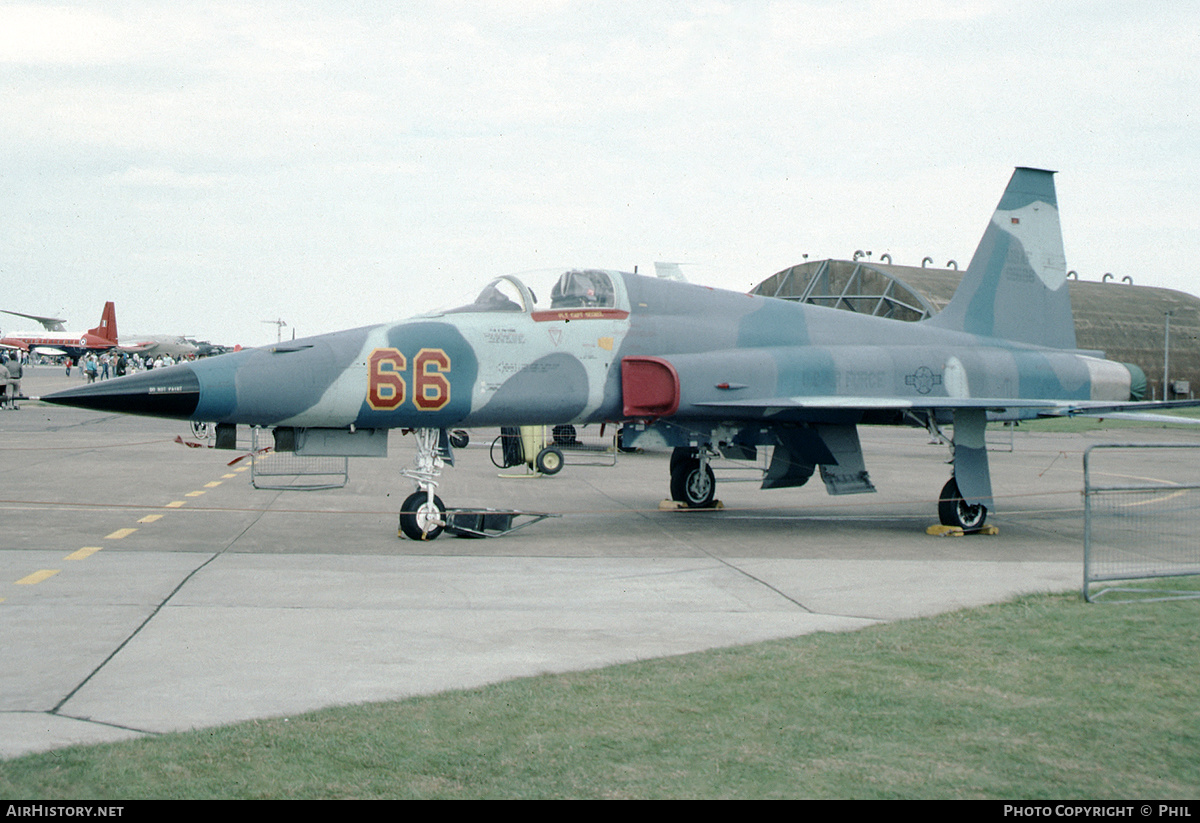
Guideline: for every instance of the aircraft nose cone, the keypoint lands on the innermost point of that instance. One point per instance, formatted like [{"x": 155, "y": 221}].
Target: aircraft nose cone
[{"x": 170, "y": 392}]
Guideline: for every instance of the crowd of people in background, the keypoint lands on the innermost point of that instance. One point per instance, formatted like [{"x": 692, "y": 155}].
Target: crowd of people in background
[{"x": 105, "y": 364}]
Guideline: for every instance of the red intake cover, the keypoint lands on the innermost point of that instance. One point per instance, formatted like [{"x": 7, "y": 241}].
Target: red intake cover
[{"x": 649, "y": 386}]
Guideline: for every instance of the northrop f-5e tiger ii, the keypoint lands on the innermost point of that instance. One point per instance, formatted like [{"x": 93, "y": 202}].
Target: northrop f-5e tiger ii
[{"x": 700, "y": 370}]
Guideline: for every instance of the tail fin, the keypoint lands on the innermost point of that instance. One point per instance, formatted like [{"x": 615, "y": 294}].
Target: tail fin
[
  {"x": 108, "y": 323},
  {"x": 1016, "y": 286}
]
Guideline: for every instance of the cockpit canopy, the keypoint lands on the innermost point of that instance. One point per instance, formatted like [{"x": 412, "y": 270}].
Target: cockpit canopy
[
  {"x": 546, "y": 290},
  {"x": 502, "y": 294},
  {"x": 576, "y": 289}
]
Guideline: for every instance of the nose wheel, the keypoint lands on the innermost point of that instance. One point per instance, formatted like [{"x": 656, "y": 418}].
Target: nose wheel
[{"x": 422, "y": 516}]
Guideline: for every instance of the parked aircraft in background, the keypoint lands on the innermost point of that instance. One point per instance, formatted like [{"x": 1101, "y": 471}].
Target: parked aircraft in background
[
  {"x": 48, "y": 323},
  {"x": 177, "y": 346},
  {"x": 700, "y": 370},
  {"x": 55, "y": 341}
]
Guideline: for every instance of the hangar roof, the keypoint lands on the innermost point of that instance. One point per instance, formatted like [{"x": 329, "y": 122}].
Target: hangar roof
[{"x": 1127, "y": 322}]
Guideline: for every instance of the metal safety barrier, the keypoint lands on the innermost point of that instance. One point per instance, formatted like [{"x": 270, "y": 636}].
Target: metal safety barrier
[
  {"x": 268, "y": 468},
  {"x": 587, "y": 445},
  {"x": 1141, "y": 517},
  {"x": 583, "y": 445}
]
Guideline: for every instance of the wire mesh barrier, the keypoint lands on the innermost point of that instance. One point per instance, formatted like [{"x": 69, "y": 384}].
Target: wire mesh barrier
[
  {"x": 286, "y": 470},
  {"x": 591, "y": 445},
  {"x": 1141, "y": 517},
  {"x": 546, "y": 449}
]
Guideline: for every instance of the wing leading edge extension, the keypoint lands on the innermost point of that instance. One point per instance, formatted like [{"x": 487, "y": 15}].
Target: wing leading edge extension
[{"x": 1003, "y": 408}]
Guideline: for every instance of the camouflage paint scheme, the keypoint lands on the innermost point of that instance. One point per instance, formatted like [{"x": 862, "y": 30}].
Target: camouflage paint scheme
[{"x": 697, "y": 369}]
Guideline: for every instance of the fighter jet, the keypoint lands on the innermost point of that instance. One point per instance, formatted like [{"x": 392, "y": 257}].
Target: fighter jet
[{"x": 700, "y": 370}]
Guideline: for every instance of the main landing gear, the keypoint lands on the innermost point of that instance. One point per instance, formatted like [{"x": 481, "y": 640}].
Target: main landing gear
[
  {"x": 954, "y": 511},
  {"x": 692, "y": 480}
]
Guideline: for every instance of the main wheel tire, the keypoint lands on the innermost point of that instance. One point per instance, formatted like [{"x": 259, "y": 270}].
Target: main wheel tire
[
  {"x": 680, "y": 455},
  {"x": 692, "y": 485},
  {"x": 549, "y": 460},
  {"x": 954, "y": 511},
  {"x": 419, "y": 520}
]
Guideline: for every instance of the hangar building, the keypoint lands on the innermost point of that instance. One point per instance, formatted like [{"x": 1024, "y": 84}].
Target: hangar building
[{"x": 1142, "y": 325}]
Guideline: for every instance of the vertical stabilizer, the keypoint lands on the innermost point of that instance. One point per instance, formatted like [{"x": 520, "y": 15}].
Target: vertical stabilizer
[
  {"x": 1016, "y": 286},
  {"x": 108, "y": 323}
]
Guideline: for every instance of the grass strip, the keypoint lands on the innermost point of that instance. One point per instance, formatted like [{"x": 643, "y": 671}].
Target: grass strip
[{"x": 1043, "y": 697}]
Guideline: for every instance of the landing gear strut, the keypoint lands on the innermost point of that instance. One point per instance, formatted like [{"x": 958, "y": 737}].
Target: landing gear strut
[
  {"x": 422, "y": 514},
  {"x": 954, "y": 511},
  {"x": 692, "y": 480}
]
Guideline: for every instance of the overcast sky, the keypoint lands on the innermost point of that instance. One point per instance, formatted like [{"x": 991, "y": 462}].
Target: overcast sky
[{"x": 209, "y": 166}]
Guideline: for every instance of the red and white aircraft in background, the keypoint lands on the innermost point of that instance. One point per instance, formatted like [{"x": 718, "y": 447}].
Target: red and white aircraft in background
[{"x": 55, "y": 341}]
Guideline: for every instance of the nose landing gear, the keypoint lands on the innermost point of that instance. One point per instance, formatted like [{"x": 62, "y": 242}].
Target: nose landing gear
[{"x": 422, "y": 514}]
